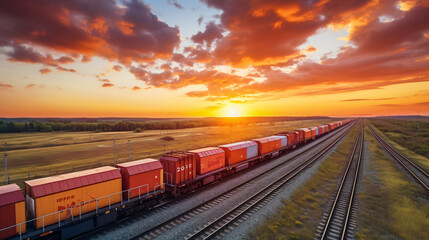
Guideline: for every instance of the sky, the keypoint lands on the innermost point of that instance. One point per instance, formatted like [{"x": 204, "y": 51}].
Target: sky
[{"x": 213, "y": 58}]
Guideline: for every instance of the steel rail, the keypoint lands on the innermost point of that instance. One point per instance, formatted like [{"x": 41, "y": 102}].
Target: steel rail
[
  {"x": 262, "y": 194},
  {"x": 341, "y": 189},
  {"x": 394, "y": 153}
]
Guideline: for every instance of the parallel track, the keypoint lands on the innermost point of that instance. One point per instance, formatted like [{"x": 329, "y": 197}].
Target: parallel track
[
  {"x": 181, "y": 218},
  {"x": 336, "y": 225},
  {"x": 415, "y": 171},
  {"x": 234, "y": 217}
]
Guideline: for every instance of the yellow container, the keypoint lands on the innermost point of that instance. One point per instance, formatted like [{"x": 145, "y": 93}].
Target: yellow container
[{"x": 65, "y": 192}]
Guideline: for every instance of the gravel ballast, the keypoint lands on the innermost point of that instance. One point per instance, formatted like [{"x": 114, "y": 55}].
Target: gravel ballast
[{"x": 135, "y": 225}]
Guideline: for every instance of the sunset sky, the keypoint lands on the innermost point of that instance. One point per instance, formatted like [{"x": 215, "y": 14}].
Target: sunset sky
[{"x": 177, "y": 58}]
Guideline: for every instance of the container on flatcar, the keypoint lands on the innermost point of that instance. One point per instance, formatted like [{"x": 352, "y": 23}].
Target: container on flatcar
[
  {"x": 12, "y": 211},
  {"x": 179, "y": 167},
  {"x": 314, "y": 131},
  {"x": 209, "y": 159},
  {"x": 292, "y": 138},
  {"x": 301, "y": 136},
  {"x": 268, "y": 144},
  {"x": 141, "y": 176},
  {"x": 283, "y": 140},
  {"x": 321, "y": 129},
  {"x": 307, "y": 133},
  {"x": 240, "y": 151},
  {"x": 52, "y": 194}
]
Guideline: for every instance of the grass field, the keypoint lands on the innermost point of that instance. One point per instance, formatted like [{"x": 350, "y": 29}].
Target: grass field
[
  {"x": 403, "y": 135},
  {"x": 300, "y": 215},
  {"x": 413, "y": 135},
  {"x": 42, "y": 154},
  {"x": 391, "y": 206}
]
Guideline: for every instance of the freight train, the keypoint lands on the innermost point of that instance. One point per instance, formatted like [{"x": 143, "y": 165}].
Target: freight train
[{"x": 68, "y": 205}]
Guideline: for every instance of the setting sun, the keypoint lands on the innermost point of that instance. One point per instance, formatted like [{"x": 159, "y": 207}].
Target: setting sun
[{"x": 232, "y": 111}]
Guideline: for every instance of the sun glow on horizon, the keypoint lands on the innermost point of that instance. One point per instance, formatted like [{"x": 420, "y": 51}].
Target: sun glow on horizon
[{"x": 232, "y": 111}]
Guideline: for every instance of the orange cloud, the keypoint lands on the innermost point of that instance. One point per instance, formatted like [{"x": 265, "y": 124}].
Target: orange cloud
[
  {"x": 103, "y": 29},
  {"x": 105, "y": 85},
  {"x": 45, "y": 71},
  {"x": 5, "y": 86}
]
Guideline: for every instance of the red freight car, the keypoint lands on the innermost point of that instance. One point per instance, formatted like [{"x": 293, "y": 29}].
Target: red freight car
[
  {"x": 141, "y": 177},
  {"x": 179, "y": 167},
  {"x": 12, "y": 211},
  {"x": 238, "y": 152},
  {"x": 209, "y": 159}
]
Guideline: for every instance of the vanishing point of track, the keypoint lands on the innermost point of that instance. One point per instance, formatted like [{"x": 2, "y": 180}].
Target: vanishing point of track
[
  {"x": 177, "y": 220},
  {"x": 234, "y": 217},
  {"x": 415, "y": 171},
  {"x": 336, "y": 225}
]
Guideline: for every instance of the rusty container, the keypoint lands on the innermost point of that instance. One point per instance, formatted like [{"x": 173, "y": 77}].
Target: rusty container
[
  {"x": 240, "y": 151},
  {"x": 78, "y": 192},
  {"x": 209, "y": 159},
  {"x": 179, "y": 167},
  {"x": 141, "y": 177},
  {"x": 12, "y": 211}
]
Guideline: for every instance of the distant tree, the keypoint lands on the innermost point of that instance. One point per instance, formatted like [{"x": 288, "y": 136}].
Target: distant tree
[{"x": 138, "y": 130}]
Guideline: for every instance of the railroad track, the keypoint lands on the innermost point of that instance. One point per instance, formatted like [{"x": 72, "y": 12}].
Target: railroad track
[
  {"x": 183, "y": 217},
  {"x": 415, "y": 171},
  {"x": 234, "y": 217},
  {"x": 336, "y": 225}
]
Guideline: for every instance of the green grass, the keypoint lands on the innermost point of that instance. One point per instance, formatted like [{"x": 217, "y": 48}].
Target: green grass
[
  {"x": 300, "y": 215},
  {"x": 390, "y": 204},
  {"x": 34, "y": 155},
  {"x": 413, "y": 135},
  {"x": 403, "y": 142}
]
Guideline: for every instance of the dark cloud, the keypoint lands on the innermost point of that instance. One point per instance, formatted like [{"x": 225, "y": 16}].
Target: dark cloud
[
  {"x": 200, "y": 20},
  {"x": 85, "y": 59},
  {"x": 175, "y": 3},
  {"x": 135, "y": 88},
  {"x": 117, "y": 68},
  {"x": 90, "y": 28},
  {"x": 211, "y": 33}
]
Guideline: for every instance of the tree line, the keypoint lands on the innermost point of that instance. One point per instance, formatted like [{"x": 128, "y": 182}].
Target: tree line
[
  {"x": 93, "y": 125},
  {"x": 36, "y": 126}
]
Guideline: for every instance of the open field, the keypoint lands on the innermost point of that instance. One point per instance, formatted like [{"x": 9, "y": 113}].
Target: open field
[
  {"x": 300, "y": 215},
  {"x": 391, "y": 205},
  {"x": 403, "y": 135},
  {"x": 44, "y": 154}
]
